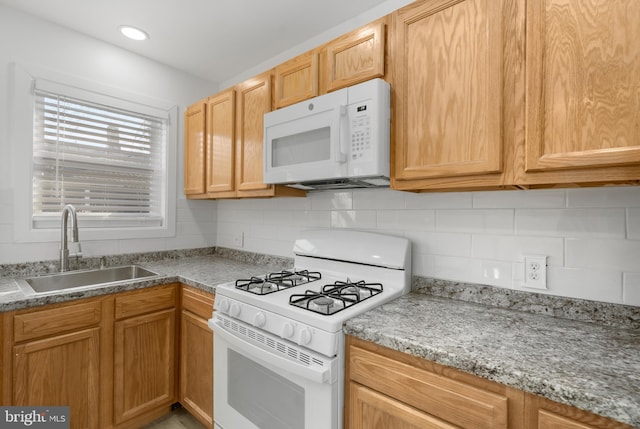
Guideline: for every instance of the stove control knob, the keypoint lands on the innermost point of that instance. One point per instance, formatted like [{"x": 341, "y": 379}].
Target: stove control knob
[
  {"x": 287, "y": 330},
  {"x": 234, "y": 310},
  {"x": 259, "y": 320},
  {"x": 305, "y": 336},
  {"x": 224, "y": 306}
]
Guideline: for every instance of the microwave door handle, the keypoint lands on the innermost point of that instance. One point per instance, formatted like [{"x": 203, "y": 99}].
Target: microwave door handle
[{"x": 340, "y": 156}]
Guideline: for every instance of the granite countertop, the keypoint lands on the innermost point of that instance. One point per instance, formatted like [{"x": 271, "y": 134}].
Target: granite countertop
[
  {"x": 203, "y": 272},
  {"x": 586, "y": 365}
]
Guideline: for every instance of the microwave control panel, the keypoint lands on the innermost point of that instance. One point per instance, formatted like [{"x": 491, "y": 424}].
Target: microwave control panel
[{"x": 360, "y": 133}]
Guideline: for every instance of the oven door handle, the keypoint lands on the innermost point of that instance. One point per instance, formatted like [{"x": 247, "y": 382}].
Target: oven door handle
[{"x": 268, "y": 358}]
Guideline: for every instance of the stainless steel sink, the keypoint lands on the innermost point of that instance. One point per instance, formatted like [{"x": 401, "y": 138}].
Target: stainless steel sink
[{"x": 84, "y": 278}]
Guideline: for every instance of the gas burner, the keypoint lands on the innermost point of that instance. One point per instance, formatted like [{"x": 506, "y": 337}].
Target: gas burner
[
  {"x": 335, "y": 297},
  {"x": 274, "y": 282}
]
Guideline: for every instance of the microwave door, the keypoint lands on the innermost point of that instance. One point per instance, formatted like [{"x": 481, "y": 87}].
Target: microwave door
[{"x": 306, "y": 145}]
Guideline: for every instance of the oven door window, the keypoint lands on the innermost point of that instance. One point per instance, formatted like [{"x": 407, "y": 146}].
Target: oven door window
[{"x": 267, "y": 399}]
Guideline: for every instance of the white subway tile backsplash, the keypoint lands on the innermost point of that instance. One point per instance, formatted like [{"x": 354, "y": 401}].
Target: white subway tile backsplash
[
  {"x": 633, "y": 224},
  {"x": 440, "y": 243},
  {"x": 493, "y": 273},
  {"x": 142, "y": 245},
  {"x": 597, "y": 285},
  {"x": 631, "y": 289},
  {"x": 520, "y": 199},
  {"x": 595, "y": 223},
  {"x": 586, "y": 253},
  {"x": 446, "y": 200},
  {"x": 359, "y": 219},
  {"x": 378, "y": 199},
  {"x": 511, "y": 248},
  {"x": 412, "y": 220},
  {"x": 499, "y": 221},
  {"x": 330, "y": 200},
  {"x": 614, "y": 196}
]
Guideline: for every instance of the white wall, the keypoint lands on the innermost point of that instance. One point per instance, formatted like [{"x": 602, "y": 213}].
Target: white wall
[
  {"x": 591, "y": 236},
  {"x": 28, "y": 40}
]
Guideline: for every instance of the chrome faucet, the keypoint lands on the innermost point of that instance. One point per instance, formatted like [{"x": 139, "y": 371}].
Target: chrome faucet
[{"x": 67, "y": 211}]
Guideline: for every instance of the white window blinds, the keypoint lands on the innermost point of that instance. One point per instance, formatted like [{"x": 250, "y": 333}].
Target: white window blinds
[{"x": 105, "y": 160}]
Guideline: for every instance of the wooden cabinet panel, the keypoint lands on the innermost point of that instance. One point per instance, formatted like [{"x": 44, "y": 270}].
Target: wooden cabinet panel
[
  {"x": 144, "y": 358},
  {"x": 254, "y": 100},
  {"x": 221, "y": 111},
  {"x": 542, "y": 413},
  {"x": 583, "y": 81},
  {"x": 60, "y": 371},
  {"x": 64, "y": 318},
  {"x": 145, "y": 301},
  {"x": 194, "y": 149},
  {"x": 196, "y": 355},
  {"x": 372, "y": 410},
  {"x": 196, "y": 367},
  {"x": 448, "y": 81},
  {"x": 356, "y": 56},
  {"x": 197, "y": 301},
  {"x": 452, "y": 401},
  {"x": 296, "y": 80}
]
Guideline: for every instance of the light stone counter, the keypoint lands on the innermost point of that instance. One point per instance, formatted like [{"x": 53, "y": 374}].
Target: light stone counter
[
  {"x": 590, "y": 366},
  {"x": 203, "y": 271}
]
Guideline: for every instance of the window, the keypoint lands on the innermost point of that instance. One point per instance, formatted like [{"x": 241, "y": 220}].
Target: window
[
  {"x": 105, "y": 161},
  {"x": 111, "y": 156}
]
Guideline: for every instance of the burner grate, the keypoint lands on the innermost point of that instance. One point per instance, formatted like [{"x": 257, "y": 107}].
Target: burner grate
[
  {"x": 274, "y": 282},
  {"x": 335, "y": 297}
]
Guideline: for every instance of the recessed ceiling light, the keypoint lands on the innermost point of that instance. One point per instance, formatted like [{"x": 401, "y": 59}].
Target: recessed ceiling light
[{"x": 133, "y": 32}]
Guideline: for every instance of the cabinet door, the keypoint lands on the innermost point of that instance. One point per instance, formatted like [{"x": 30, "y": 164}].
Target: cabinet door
[
  {"x": 221, "y": 144},
  {"x": 372, "y": 410},
  {"x": 194, "y": 149},
  {"x": 196, "y": 367},
  {"x": 60, "y": 371},
  {"x": 253, "y": 101},
  {"x": 583, "y": 81},
  {"x": 356, "y": 56},
  {"x": 542, "y": 413},
  {"x": 296, "y": 80},
  {"x": 448, "y": 86},
  {"x": 144, "y": 375}
]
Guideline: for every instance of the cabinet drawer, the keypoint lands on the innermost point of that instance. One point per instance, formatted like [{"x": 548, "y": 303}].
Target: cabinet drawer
[
  {"x": 145, "y": 301},
  {"x": 55, "y": 320},
  {"x": 197, "y": 302},
  {"x": 452, "y": 401}
]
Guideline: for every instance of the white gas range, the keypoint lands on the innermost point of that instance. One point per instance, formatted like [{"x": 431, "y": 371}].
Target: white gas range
[{"x": 279, "y": 346}]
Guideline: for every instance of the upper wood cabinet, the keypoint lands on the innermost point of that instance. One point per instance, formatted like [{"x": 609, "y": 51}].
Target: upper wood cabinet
[
  {"x": 194, "y": 148},
  {"x": 356, "y": 56},
  {"x": 582, "y": 86},
  {"x": 448, "y": 83},
  {"x": 296, "y": 80},
  {"x": 220, "y": 136},
  {"x": 224, "y": 140}
]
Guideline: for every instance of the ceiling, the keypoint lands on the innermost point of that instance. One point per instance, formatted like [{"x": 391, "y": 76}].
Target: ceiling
[{"x": 212, "y": 39}]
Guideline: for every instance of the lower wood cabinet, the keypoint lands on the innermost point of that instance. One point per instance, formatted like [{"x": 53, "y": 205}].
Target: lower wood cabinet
[
  {"x": 144, "y": 353},
  {"x": 196, "y": 355},
  {"x": 387, "y": 389},
  {"x": 115, "y": 360},
  {"x": 61, "y": 370}
]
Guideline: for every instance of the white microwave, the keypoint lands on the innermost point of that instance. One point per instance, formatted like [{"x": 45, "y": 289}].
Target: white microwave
[{"x": 337, "y": 140}]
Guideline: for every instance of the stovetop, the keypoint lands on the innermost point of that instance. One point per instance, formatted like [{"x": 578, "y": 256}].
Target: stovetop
[{"x": 338, "y": 274}]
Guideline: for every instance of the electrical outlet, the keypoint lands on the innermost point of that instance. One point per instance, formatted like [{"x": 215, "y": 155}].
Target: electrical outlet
[
  {"x": 535, "y": 271},
  {"x": 238, "y": 240}
]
